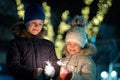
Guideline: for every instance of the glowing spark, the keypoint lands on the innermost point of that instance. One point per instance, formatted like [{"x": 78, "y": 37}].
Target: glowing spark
[
  {"x": 61, "y": 63},
  {"x": 48, "y": 63}
]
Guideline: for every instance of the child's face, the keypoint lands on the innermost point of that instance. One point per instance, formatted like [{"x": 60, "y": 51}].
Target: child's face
[
  {"x": 35, "y": 26},
  {"x": 73, "y": 47}
]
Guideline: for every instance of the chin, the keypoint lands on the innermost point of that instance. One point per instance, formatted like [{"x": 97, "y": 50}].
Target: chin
[
  {"x": 34, "y": 33},
  {"x": 72, "y": 52}
]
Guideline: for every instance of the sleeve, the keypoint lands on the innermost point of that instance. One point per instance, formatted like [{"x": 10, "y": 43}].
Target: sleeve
[
  {"x": 53, "y": 58},
  {"x": 13, "y": 62},
  {"x": 88, "y": 71}
]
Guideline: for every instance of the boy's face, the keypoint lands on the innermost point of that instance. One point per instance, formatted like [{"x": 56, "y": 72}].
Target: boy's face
[
  {"x": 73, "y": 47},
  {"x": 35, "y": 26}
]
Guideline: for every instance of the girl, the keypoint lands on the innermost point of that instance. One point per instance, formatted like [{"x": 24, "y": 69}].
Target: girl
[
  {"x": 29, "y": 53},
  {"x": 77, "y": 63}
]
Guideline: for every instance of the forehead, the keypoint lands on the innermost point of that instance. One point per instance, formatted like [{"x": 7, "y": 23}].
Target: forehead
[
  {"x": 72, "y": 42},
  {"x": 37, "y": 20}
]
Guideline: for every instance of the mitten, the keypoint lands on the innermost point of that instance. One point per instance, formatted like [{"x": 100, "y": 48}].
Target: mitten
[
  {"x": 49, "y": 70},
  {"x": 37, "y": 73},
  {"x": 65, "y": 74}
]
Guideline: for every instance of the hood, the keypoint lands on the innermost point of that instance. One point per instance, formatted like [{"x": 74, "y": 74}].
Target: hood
[
  {"x": 20, "y": 30},
  {"x": 89, "y": 49}
]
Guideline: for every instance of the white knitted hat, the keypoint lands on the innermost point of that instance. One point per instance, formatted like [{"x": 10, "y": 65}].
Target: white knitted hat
[{"x": 77, "y": 34}]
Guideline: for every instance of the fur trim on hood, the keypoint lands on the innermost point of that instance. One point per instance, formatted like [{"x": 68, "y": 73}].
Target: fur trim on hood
[
  {"x": 20, "y": 30},
  {"x": 89, "y": 49}
]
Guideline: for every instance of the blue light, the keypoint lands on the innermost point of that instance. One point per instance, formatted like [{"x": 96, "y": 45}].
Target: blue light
[
  {"x": 93, "y": 39},
  {"x": 1, "y": 68},
  {"x": 104, "y": 75},
  {"x": 113, "y": 73}
]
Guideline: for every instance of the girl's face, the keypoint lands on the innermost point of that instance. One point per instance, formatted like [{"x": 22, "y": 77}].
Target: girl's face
[
  {"x": 35, "y": 26},
  {"x": 73, "y": 47}
]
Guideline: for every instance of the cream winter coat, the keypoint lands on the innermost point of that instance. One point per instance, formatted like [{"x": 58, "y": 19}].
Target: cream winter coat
[{"x": 81, "y": 64}]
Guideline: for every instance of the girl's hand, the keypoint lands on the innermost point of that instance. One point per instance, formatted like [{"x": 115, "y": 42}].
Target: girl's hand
[{"x": 65, "y": 74}]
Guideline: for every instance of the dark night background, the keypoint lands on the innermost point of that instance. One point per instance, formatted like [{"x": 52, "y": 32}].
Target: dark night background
[{"x": 108, "y": 38}]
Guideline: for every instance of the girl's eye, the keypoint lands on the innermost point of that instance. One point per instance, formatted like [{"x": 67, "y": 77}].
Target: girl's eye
[
  {"x": 40, "y": 24},
  {"x": 35, "y": 24},
  {"x": 68, "y": 44}
]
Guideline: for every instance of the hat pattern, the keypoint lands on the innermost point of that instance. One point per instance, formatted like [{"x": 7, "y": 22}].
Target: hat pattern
[
  {"x": 34, "y": 11},
  {"x": 77, "y": 34}
]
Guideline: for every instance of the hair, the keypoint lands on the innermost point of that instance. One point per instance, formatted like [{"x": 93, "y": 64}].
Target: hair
[{"x": 20, "y": 30}]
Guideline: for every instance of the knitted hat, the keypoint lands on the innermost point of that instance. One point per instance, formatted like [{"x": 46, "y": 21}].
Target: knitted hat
[
  {"x": 34, "y": 11},
  {"x": 78, "y": 21},
  {"x": 77, "y": 34}
]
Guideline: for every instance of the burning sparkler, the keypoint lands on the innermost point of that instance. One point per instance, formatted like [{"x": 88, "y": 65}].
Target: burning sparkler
[
  {"x": 61, "y": 63},
  {"x": 49, "y": 69}
]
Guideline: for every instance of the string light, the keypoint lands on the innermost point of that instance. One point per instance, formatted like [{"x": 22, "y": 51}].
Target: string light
[
  {"x": 91, "y": 28},
  {"x": 20, "y": 9},
  {"x": 48, "y": 26}
]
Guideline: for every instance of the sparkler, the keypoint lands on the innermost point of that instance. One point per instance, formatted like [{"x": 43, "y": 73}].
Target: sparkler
[
  {"x": 65, "y": 65},
  {"x": 49, "y": 69},
  {"x": 60, "y": 63},
  {"x": 48, "y": 63}
]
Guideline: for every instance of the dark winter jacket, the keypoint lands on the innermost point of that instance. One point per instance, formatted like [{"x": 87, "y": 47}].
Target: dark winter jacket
[{"x": 27, "y": 53}]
